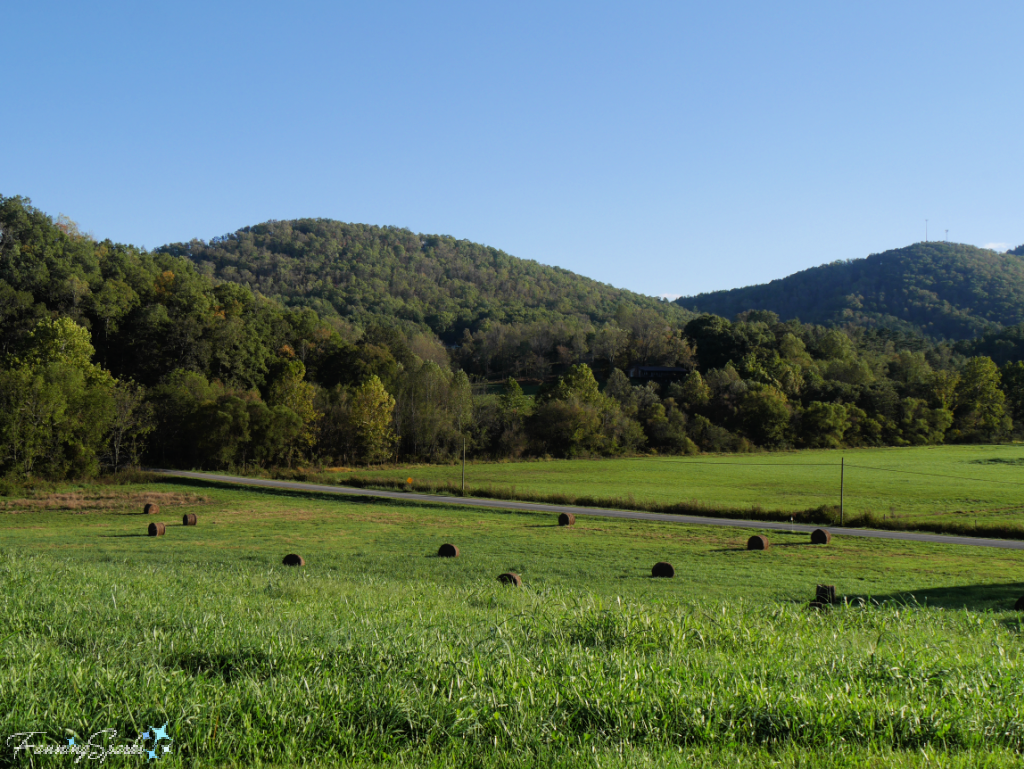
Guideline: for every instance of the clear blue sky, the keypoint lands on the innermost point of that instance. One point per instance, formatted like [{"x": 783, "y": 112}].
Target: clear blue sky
[{"x": 663, "y": 147}]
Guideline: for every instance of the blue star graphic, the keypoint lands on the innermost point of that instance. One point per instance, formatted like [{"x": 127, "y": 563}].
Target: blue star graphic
[
  {"x": 71, "y": 741},
  {"x": 145, "y": 735},
  {"x": 160, "y": 733},
  {"x": 152, "y": 755}
]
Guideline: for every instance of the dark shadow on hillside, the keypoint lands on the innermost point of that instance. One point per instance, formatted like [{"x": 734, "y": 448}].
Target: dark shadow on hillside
[{"x": 1000, "y": 597}]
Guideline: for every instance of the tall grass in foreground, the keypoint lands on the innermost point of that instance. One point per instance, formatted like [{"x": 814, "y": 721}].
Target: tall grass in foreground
[
  {"x": 826, "y": 515},
  {"x": 252, "y": 665}
]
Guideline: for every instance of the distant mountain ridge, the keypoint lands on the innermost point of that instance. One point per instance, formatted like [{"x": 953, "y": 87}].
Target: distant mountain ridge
[
  {"x": 942, "y": 290},
  {"x": 362, "y": 272}
]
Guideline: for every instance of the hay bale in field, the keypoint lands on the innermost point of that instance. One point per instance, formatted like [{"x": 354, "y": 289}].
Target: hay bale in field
[
  {"x": 293, "y": 560},
  {"x": 151, "y": 509},
  {"x": 447, "y": 551},
  {"x": 157, "y": 529},
  {"x": 510, "y": 578},
  {"x": 566, "y": 519},
  {"x": 825, "y": 594},
  {"x": 663, "y": 569},
  {"x": 1019, "y": 606},
  {"x": 821, "y": 537},
  {"x": 758, "y": 542},
  {"x": 189, "y": 519}
]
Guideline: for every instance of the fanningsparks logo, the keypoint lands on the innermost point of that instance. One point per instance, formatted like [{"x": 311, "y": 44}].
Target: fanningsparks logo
[{"x": 154, "y": 743}]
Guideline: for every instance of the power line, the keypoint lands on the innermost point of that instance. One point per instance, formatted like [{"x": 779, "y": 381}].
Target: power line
[
  {"x": 828, "y": 464},
  {"x": 938, "y": 475},
  {"x": 796, "y": 494}
]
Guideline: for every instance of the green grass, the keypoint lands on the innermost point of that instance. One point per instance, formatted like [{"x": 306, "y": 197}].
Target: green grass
[
  {"x": 944, "y": 485},
  {"x": 377, "y": 653}
]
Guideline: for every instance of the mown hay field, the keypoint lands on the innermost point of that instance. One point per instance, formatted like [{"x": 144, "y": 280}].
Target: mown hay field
[
  {"x": 379, "y": 653},
  {"x": 964, "y": 485}
]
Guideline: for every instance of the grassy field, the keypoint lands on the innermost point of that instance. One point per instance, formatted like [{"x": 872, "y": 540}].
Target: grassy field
[
  {"x": 377, "y": 653},
  {"x": 966, "y": 485}
]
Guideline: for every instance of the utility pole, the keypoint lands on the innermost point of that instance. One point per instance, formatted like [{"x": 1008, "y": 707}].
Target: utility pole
[
  {"x": 463, "y": 465},
  {"x": 842, "y": 479}
]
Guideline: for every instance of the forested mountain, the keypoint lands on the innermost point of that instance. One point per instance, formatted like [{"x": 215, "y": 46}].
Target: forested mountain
[
  {"x": 942, "y": 290},
  {"x": 111, "y": 355},
  {"x": 362, "y": 272}
]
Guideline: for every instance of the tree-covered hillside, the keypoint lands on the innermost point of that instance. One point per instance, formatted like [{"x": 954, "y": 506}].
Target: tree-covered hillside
[
  {"x": 943, "y": 290},
  {"x": 111, "y": 356},
  {"x": 360, "y": 272}
]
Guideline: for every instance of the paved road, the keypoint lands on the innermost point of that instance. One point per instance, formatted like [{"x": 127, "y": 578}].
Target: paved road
[{"x": 599, "y": 512}]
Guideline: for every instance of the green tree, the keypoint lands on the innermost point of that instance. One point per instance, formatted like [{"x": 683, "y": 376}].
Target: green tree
[
  {"x": 823, "y": 425},
  {"x": 694, "y": 394},
  {"x": 30, "y": 406},
  {"x": 978, "y": 411},
  {"x": 221, "y": 431},
  {"x": 865, "y": 430},
  {"x": 569, "y": 428},
  {"x": 175, "y": 403},
  {"x": 716, "y": 343},
  {"x": 432, "y": 413},
  {"x": 59, "y": 427},
  {"x": 289, "y": 389},
  {"x": 920, "y": 425},
  {"x": 764, "y": 414},
  {"x": 1011, "y": 381},
  {"x": 460, "y": 401},
  {"x": 619, "y": 387},
  {"x": 513, "y": 410},
  {"x": 132, "y": 422},
  {"x": 578, "y": 384},
  {"x": 370, "y": 412},
  {"x": 276, "y": 434},
  {"x": 114, "y": 300},
  {"x": 60, "y": 340}
]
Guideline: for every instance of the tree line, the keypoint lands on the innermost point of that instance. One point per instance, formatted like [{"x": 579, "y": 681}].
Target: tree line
[{"x": 112, "y": 356}]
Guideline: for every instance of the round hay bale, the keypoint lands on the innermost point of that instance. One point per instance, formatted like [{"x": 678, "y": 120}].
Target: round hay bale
[
  {"x": 662, "y": 569},
  {"x": 1019, "y": 606},
  {"x": 447, "y": 551},
  {"x": 758, "y": 542},
  {"x": 510, "y": 578},
  {"x": 825, "y": 594},
  {"x": 293, "y": 560},
  {"x": 157, "y": 529},
  {"x": 189, "y": 519},
  {"x": 821, "y": 537},
  {"x": 567, "y": 519},
  {"x": 151, "y": 509}
]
